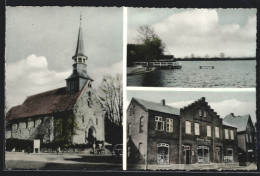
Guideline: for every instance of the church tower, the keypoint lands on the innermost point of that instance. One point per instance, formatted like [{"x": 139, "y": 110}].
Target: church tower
[{"x": 79, "y": 76}]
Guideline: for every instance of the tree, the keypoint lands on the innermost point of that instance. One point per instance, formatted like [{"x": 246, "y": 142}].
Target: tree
[
  {"x": 111, "y": 96},
  {"x": 153, "y": 46},
  {"x": 222, "y": 55}
]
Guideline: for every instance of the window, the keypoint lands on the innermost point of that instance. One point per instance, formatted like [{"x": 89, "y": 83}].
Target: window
[
  {"x": 247, "y": 139},
  {"x": 169, "y": 125},
  {"x": 188, "y": 127},
  {"x": 133, "y": 109},
  {"x": 205, "y": 114},
  {"x": 226, "y": 134},
  {"x": 217, "y": 132},
  {"x": 89, "y": 85},
  {"x": 96, "y": 121},
  {"x": 197, "y": 129},
  {"x": 82, "y": 118},
  {"x": 232, "y": 134},
  {"x": 129, "y": 129},
  {"x": 26, "y": 124},
  {"x": 141, "y": 126},
  {"x": 33, "y": 123},
  {"x": 250, "y": 138},
  {"x": 200, "y": 113},
  {"x": 208, "y": 131},
  {"x": 130, "y": 111},
  {"x": 89, "y": 94},
  {"x": 159, "y": 124}
]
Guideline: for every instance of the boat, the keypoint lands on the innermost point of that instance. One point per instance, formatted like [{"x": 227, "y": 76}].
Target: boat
[{"x": 163, "y": 63}]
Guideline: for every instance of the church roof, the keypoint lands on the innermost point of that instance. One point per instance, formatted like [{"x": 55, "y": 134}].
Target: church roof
[
  {"x": 78, "y": 73},
  {"x": 238, "y": 121},
  {"x": 148, "y": 105},
  {"x": 52, "y": 101},
  {"x": 80, "y": 44}
]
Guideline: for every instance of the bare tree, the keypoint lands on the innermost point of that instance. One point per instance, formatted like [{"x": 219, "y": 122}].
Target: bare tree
[{"x": 110, "y": 93}]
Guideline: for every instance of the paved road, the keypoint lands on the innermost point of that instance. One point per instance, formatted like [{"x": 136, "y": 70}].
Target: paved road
[{"x": 19, "y": 161}]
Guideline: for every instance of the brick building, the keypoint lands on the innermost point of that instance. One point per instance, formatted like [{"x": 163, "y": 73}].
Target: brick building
[
  {"x": 162, "y": 135},
  {"x": 246, "y": 135},
  {"x": 72, "y": 111}
]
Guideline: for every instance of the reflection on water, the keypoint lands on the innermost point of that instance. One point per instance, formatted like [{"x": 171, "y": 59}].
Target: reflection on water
[{"x": 225, "y": 74}]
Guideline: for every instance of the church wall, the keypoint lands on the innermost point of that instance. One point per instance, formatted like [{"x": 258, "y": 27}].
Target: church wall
[
  {"x": 32, "y": 128},
  {"x": 89, "y": 114}
]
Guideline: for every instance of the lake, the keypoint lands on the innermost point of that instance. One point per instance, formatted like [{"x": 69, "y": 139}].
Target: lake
[{"x": 225, "y": 74}]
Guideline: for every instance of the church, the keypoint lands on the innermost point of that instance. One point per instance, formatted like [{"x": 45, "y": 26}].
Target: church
[{"x": 72, "y": 114}]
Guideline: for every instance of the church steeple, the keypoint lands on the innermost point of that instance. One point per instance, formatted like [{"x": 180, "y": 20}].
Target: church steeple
[
  {"x": 79, "y": 76},
  {"x": 79, "y": 54}
]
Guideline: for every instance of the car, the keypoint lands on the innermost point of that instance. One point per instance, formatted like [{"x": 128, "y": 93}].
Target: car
[{"x": 118, "y": 149}]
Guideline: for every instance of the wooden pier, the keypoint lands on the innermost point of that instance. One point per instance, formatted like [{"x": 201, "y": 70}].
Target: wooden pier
[{"x": 207, "y": 67}]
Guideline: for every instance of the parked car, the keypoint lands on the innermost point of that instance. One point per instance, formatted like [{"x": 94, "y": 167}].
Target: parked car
[{"x": 118, "y": 149}]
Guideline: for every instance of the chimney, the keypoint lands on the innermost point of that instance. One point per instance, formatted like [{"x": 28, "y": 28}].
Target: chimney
[
  {"x": 163, "y": 102},
  {"x": 232, "y": 114}
]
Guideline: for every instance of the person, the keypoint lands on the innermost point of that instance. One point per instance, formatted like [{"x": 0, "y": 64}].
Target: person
[
  {"x": 29, "y": 149},
  {"x": 94, "y": 146}
]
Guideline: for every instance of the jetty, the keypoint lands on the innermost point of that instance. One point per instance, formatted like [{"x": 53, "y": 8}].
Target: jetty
[
  {"x": 138, "y": 70},
  {"x": 207, "y": 67}
]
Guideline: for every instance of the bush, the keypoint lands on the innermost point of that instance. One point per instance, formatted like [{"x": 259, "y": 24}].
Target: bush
[{"x": 19, "y": 144}]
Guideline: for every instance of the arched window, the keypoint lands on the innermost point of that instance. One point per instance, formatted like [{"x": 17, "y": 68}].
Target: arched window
[
  {"x": 89, "y": 94},
  {"x": 141, "y": 126},
  {"x": 129, "y": 129}
]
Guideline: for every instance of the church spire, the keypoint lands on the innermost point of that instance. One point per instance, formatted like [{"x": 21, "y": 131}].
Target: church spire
[
  {"x": 80, "y": 43},
  {"x": 79, "y": 76}
]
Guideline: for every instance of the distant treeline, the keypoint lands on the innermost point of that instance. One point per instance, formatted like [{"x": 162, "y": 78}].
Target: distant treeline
[{"x": 215, "y": 59}]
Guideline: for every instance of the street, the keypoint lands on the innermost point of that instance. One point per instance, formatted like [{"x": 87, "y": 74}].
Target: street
[{"x": 68, "y": 161}]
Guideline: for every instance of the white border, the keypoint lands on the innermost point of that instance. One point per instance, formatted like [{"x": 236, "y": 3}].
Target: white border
[{"x": 124, "y": 87}]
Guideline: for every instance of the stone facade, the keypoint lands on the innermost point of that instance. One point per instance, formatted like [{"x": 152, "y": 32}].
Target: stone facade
[{"x": 193, "y": 134}]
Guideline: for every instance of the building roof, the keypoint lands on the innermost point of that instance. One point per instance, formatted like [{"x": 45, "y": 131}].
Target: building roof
[
  {"x": 238, "y": 121},
  {"x": 148, "y": 105},
  {"x": 80, "y": 45},
  {"x": 52, "y": 101},
  {"x": 228, "y": 124}
]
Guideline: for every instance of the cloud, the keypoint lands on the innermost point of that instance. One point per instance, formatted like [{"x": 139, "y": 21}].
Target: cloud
[
  {"x": 199, "y": 31},
  {"x": 30, "y": 76}
]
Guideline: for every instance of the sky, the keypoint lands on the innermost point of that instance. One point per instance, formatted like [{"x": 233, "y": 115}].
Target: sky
[
  {"x": 239, "y": 102},
  {"x": 198, "y": 31},
  {"x": 40, "y": 43}
]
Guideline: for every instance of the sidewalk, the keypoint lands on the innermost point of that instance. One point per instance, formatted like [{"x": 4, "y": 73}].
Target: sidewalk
[{"x": 190, "y": 167}]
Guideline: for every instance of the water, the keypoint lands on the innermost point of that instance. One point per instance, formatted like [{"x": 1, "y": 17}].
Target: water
[{"x": 226, "y": 74}]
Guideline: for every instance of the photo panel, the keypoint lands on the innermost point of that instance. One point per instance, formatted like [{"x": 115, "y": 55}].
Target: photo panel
[
  {"x": 193, "y": 48},
  {"x": 64, "y": 88},
  {"x": 191, "y": 129}
]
